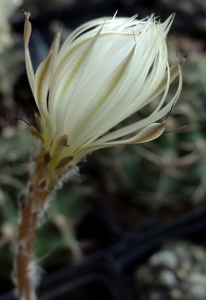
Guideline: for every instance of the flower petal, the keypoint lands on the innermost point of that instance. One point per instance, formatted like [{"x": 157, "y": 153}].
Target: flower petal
[
  {"x": 43, "y": 79},
  {"x": 147, "y": 134},
  {"x": 155, "y": 115},
  {"x": 27, "y": 34},
  {"x": 66, "y": 80}
]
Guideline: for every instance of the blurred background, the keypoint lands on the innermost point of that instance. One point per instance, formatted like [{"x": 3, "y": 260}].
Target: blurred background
[{"x": 128, "y": 187}]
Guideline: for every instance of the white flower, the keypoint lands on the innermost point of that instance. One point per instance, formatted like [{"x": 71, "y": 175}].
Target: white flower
[{"x": 105, "y": 71}]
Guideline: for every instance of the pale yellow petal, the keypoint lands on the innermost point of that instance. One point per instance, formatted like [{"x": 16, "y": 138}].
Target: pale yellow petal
[
  {"x": 155, "y": 115},
  {"x": 27, "y": 34},
  {"x": 43, "y": 80},
  {"x": 147, "y": 134}
]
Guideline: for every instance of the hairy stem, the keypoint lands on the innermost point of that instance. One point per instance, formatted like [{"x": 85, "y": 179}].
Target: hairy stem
[
  {"x": 26, "y": 238},
  {"x": 41, "y": 185}
]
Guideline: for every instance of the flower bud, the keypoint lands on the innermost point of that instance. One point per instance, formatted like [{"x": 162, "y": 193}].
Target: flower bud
[{"x": 105, "y": 71}]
